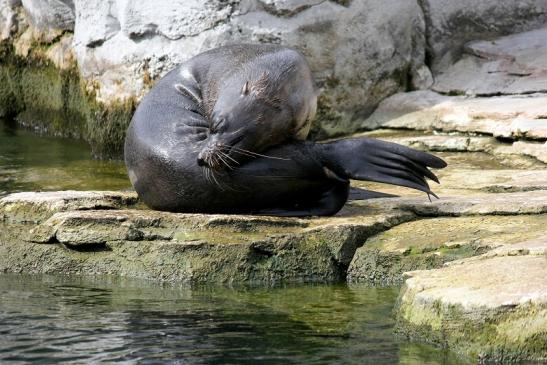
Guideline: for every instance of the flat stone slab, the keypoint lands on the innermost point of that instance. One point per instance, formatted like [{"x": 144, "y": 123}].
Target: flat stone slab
[
  {"x": 67, "y": 237},
  {"x": 35, "y": 207},
  {"x": 489, "y": 308},
  {"x": 490, "y": 145},
  {"x": 511, "y": 117},
  {"x": 184, "y": 247},
  {"x": 515, "y": 64},
  {"x": 530, "y": 202},
  {"x": 429, "y": 243}
]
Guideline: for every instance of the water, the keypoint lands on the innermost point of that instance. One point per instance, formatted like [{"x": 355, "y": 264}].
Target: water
[
  {"x": 32, "y": 163},
  {"x": 51, "y": 319}
]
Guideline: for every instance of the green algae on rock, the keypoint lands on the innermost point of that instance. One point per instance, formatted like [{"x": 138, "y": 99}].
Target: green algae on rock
[
  {"x": 429, "y": 243},
  {"x": 490, "y": 308},
  {"x": 58, "y": 102},
  {"x": 73, "y": 233}
]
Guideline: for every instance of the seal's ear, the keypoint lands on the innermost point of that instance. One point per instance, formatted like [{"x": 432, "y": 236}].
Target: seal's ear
[{"x": 245, "y": 90}]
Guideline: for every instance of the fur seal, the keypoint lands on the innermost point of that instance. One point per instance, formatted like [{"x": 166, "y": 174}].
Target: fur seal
[{"x": 225, "y": 132}]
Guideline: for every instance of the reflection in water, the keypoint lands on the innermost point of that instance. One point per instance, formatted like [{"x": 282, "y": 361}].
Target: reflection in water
[
  {"x": 47, "y": 319},
  {"x": 32, "y": 163}
]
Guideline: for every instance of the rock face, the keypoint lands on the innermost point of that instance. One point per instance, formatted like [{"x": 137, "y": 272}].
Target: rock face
[
  {"x": 516, "y": 64},
  {"x": 50, "y": 15},
  {"x": 508, "y": 117},
  {"x": 492, "y": 308},
  {"x": 451, "y": 24},
  {"x": 360, "y": 52}
]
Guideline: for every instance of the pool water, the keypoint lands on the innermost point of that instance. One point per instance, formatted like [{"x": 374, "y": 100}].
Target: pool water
[
  {"x": 33, "y": 163},
  {"x": 51, "y": 319}
]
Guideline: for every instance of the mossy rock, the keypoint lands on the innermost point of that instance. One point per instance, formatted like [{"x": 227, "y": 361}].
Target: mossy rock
[
  {"x": 429, "y": 243},
  {"x": 58, "y": 102},
  {"x": 490, "y": 308}
]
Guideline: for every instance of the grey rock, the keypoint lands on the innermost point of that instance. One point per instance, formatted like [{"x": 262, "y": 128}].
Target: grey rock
[
  {"x": 451, "y": 24},
  {"x": 462, "y": 143},
  {"x": 514, "y": 117},
  {"x": 359, "y": 52},
  {"x": 429, "y": 243},
  {"x": 50, "y": 14},
  {"x": 172, "y": 19},
  {"x": 491, "y": 308},
  {"x": 36, "y": 207},
  {"x": 178, "y": 247},
  {"x": 516, "y": 64},
  {"x": 8, "y": 18},
  {"x": 530, "y": 202}
]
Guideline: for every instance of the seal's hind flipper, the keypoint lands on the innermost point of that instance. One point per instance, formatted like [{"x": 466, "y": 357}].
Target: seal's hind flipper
[
  {"x": 381, "y": 161},
  {"x": 356, "y": 193},
  {"x": 330, "y": 202}
]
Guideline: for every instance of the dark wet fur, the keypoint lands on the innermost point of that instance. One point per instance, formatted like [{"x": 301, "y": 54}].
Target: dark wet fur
[{"x": 295, "y": 178}]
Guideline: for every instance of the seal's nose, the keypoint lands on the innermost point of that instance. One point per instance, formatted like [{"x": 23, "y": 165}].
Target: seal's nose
[{"x": 201, "y": 159}]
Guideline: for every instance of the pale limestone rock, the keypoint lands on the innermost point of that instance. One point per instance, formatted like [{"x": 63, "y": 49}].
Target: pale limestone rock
[
  {"x": 50, "y": 14},
  {"x": 489, "y": 308},
  {"x": 451, "y": 24},
  {"x": 429, "y": 243},
  {"x": 76, "y": 236},
  {"x": 8, "y": 18},
  {"x": 359, "y": 52},
  {"x": 35, "y": 207},
  {"x": 171, "y": 19},
  {"x": 516, "y": 64},
  {"x": 536, "y": 150},
  {"x": 421, "y": 78},
  {"x": 528, "y": 202},
  {"x": 518, "y": 116}
]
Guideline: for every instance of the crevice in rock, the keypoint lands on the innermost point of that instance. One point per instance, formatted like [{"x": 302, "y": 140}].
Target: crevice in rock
[
  {"x": 428, "y": 59},
  {"x": 288, "y": 13},
  {"x": 90, "y": 247},
  {"x": 485, "y": 95}
]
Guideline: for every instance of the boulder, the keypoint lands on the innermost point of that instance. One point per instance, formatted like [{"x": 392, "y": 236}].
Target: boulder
[
  {"x": 506, "y": 117},
  {"x": 8, "y": 18},
  {"x": 47, "y": 15},
  {"x": 490, "y": 308},
  {"x": 516, "y": 64},
  {"x": 358, "y": 51},
  {"x": 429, "y": 243},
  {"x": 451, "y": 24}
]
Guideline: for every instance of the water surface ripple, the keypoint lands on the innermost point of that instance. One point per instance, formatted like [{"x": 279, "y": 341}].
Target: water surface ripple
[{"x": 54, "y": 319}]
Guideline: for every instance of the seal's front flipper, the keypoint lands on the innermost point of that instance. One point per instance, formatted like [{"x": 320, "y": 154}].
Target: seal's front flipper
[
  {"x": 381, "y": 161},
  {"x": 330, "y": 202}
]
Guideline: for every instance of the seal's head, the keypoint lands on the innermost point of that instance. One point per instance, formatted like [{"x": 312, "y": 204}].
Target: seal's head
[{"x": 247, "y": 118}]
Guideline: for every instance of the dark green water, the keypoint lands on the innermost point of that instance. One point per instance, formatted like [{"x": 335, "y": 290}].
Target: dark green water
[
  {"x": 32, "y": 163},
  {"x": 51, "y": 319}
]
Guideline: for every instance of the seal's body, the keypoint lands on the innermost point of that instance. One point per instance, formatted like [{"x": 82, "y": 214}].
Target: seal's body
[{"x": 224, "y": 133}]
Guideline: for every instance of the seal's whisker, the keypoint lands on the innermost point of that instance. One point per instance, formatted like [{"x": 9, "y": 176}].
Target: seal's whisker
[
  {"x": 224, "y": 161},
  {"x": 216, "y": 181},
  {"x": 261, "y": 155},
  {"x": 206, "y": 175},
  {"x": 228, "y": 157},
  {"x": 244, "y": 153}
]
